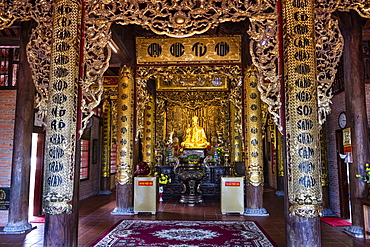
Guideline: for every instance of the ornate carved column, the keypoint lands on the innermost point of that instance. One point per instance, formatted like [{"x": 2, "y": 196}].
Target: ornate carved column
[
  {"x": 60, "y": 160},
  {"x": 125, "y": 138},
  {"x": 106, "y": 149},
  {"x": 235, "y": 135},
  {"x": 253, "y": 139},
  {"x": 304, "y": 181},
  {"x": 280, "y": 164},
  {"x": 20, "y": 177},
  {"x": 160, "y": 113},
  {"x": 149, "y": 134}
]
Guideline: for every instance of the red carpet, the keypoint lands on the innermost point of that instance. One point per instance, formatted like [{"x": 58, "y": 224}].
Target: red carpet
[
  {"x": 185, "y": 233},
  {"x": 38, "y": 220},
  {"x": 335, "y": 221}
]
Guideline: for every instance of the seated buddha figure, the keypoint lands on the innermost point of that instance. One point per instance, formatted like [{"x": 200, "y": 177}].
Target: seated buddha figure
[{"x": 195, "y": 137}]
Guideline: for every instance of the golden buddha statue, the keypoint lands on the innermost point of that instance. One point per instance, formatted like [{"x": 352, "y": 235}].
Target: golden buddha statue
[{"x": 195, "y": 136}]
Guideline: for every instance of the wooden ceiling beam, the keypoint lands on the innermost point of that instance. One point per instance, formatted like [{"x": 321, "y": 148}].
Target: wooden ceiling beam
[{"x": 9, "y": 41}]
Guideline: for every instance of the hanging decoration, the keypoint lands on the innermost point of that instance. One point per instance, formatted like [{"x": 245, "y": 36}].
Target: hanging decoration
[
  {"x": 177, "y": 18},
  {"x": 329, "y": 49},
  {"x": 329, "y": 6},
  {"x": 107, "y": 141},
  {"x": 96, "y": 60},
  {"x": 263, "y": 48},
  {"x": 38, "y": 47},
  {"x": 39, "y": 53}
]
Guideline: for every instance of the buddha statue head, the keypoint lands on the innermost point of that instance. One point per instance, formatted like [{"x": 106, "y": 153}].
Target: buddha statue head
[{"x": 195, "y": 121}]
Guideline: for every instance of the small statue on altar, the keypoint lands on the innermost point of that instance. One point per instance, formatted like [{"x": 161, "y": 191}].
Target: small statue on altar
[{"x": 195, "y": 136}]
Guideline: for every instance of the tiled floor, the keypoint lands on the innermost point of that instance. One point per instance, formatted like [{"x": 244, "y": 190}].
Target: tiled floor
[{"x": 95, "y": 219}]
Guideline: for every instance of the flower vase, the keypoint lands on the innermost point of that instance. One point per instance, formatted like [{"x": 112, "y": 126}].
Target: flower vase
[
  {"x": 160, "y": 193},
  {"x": 215, "y": 156},
  {"x": 169, "y": 155}
]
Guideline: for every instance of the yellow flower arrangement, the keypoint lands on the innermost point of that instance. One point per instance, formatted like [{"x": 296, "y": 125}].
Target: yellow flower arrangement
[
  {"x": 366, "y": 178},
  {"x": 164, "y": 179},
  {"x": 220, "y": 151}
]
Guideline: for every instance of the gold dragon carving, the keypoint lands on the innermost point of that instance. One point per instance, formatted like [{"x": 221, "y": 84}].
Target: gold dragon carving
[{"x": 329, "y": 49}]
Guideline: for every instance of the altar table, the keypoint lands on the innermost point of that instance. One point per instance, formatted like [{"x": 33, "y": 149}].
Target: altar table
[
  {"x": 366, "y": 215},
  {"x": 211, "y": 182}
]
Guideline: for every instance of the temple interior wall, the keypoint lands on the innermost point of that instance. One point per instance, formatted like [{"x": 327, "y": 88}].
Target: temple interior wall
[
  {"x": 91, "y": 186},
  {"x": 332, "y": 126}
]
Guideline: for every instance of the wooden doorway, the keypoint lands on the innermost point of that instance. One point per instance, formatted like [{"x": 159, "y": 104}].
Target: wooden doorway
[
  {"x": 36, "y": 180},
  {"x": 342, "y": 177}
]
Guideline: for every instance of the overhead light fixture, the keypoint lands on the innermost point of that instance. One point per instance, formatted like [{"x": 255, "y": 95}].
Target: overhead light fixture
[{"x": 112, "y": 46}]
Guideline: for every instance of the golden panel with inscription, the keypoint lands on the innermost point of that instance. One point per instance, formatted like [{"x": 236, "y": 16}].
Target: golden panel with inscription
[
  {"x": 201, "y": 49},
  {"x": 60, "y": 144},
  {"x": 125, "y": 120},
  {"x": 300, "y": 71}
]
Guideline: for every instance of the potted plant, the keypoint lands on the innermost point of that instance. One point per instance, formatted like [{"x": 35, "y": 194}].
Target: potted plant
[
  {"x": 163, "y": 180},
  {"x": 192, "y": 159},
  {"x": 366, "y": 178}
]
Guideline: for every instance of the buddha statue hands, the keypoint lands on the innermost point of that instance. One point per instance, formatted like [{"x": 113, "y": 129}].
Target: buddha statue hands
[{"x": 195, "y": 136}]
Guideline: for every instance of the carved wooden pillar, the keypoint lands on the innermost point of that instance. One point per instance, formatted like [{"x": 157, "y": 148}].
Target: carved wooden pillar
[
  {"x": 302, "y": 128},
  {"x": 356, "y": 112},
  {"x": 280, "y": 164},
  {"x": 60, "y": 204},
  {"x": 20, "y": 177},
  {"x": 149, "y": 135},
  {"x": 236, "y": 154},
  {"x": 125, "y": 138},
  {"x": 106, "y": 149},
  {"x": 253, "y": 139}
]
